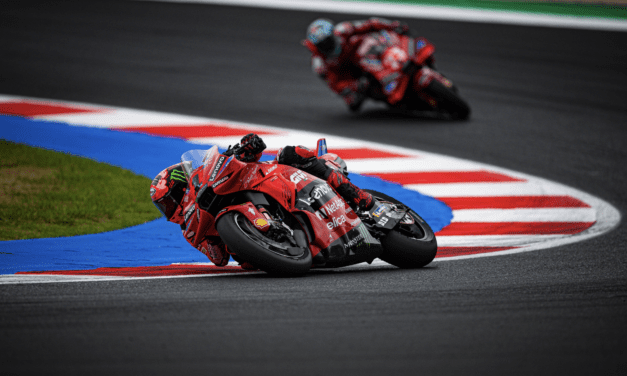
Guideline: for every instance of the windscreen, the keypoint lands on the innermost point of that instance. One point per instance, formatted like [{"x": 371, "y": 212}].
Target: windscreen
[{"x": 197, "y": 158}]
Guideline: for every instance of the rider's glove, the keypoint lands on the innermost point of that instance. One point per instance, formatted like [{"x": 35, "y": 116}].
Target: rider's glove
[{"x": 252, "y": 146}]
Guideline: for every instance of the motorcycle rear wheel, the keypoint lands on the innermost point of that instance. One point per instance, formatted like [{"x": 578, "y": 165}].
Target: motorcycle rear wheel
[
  {"x": 407, "y": 246},
  {"x": 449, "y": 102},
  {"x": 253, "y": 246}
]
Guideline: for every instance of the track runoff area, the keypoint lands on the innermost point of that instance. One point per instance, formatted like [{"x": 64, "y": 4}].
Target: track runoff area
[{"x": 477, "y": 210}]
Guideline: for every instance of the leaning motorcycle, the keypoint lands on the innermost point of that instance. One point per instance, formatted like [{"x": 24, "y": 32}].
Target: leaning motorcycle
[
  {"x": 285, "y": 221},
  {"x": 400, "y": 71}
]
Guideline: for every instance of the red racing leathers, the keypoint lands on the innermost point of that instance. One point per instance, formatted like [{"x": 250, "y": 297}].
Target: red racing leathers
[{"x": 359, "y": 54}]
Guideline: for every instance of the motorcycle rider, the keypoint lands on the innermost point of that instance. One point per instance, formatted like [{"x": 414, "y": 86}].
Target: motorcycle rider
[
  {"x": 336, "y": 54},
  {"x": 169, "y": 187}
]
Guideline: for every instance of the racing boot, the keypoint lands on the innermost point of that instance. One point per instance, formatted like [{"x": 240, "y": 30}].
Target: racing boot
[
  {"x": 349, "y": 191},
  {"x": 305, "y": 159}
]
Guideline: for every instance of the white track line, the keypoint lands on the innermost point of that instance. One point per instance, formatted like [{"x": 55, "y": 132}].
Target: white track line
[
  {"x": 525, "y": 215},
  {"x": 428, "y": 12}
]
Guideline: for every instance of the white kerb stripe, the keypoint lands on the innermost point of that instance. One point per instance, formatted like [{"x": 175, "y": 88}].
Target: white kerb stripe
[{"x": 525, "y": 215}]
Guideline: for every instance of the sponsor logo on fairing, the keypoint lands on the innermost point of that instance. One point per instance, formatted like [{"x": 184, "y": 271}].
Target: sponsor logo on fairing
[
  {"x": 308, "y": 201},
  {"x": 217, "y": 168},
  {"x": 178, "y": 175},
  {"x": 297, "y": 177},
  {"x": 152, "y": 192},
  {"x": 379, "y": 211},
  {"x": 261, "y": 223},
  {"x": 189, "y": 212},
  {"x": 320, "y": 191},
  {"x": 355, "y": 241},
  {"x": 220, "y": 181},
  {"x": 420, "y": 44},
  {"x": 272, "y": 168},
  {"x": 336, "y": 222},
  {"x": 226, "y": 164},
  {"x": 335, "y": 205}
]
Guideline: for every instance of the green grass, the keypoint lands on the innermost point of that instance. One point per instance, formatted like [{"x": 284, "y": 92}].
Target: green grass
[
  {"x": 563, "y": 8},
  {"x": 49, "y": 194}
]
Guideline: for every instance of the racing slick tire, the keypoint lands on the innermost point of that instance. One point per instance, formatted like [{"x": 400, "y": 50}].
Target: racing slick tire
[
  {"x": 449, "y": 102},
  {"x": 408, "y": 246},
  {"x": 275, "y": 257}
]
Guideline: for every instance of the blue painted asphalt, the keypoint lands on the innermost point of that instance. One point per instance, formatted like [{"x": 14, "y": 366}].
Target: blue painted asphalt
[{"x": 154, "y": 243}]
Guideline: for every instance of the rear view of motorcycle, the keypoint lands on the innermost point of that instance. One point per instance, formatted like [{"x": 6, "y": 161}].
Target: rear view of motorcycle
[{"x": 284, "y": 221}]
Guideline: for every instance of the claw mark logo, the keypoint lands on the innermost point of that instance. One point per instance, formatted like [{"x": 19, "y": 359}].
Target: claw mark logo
[
  {"x": 178, "y": 175},
  {"x": 298, "y": 176}
]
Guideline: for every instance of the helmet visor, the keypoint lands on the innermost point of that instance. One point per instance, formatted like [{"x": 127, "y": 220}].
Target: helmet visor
[
  {"x": 327, "y": 45},
  {"x": 167, "y": 206}
]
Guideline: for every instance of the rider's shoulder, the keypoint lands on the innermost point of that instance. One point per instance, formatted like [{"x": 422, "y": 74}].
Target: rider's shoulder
[{"x": 344, "y": 28}]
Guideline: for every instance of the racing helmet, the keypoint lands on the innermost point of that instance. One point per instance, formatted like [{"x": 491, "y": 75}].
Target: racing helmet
[
  {"x": 320, "y": 34},
  {"x": 167, "y": 190}
]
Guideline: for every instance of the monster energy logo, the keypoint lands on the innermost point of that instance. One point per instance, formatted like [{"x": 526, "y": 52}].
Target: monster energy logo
[{"x": 178, "y": 175}]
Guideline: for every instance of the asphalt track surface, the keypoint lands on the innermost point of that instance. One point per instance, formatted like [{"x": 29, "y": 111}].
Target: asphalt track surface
[{"x": 548, "y": 102}]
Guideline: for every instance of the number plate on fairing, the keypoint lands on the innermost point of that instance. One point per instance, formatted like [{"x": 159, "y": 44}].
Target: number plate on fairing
[{"x": 385, "y": 216}]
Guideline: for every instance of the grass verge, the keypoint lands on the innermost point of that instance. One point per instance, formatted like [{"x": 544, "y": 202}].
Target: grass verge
[
  {"x": 593, "y": 8},
  {"x": 48, "y": 194}
]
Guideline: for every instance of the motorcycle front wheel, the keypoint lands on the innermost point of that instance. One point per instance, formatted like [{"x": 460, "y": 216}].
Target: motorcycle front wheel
[
  {"x": 412, "y": 243},
  {"x": 277, "y": 257},
  {"x": 448, "y": 101}
]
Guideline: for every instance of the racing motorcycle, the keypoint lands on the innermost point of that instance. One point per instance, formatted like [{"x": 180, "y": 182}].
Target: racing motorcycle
[
  {"x": 400, "y": 71},
  {"x": 285, "y": 221}
]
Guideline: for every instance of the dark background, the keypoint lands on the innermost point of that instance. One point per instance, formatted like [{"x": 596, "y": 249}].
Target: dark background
[{"x": 548, "y": 102}]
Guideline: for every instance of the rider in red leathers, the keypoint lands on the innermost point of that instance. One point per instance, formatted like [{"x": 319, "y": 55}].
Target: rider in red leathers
[
  {"x": 170, "y": 187},
  {"x": 340, "y": 57}
]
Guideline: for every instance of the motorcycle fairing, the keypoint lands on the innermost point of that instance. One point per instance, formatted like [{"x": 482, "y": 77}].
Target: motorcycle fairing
[
  {"x": 356, "y": 246},
  {"x": 339, "y": 233}
]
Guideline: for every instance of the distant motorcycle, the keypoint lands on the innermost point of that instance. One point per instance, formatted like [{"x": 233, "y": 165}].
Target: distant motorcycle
[
  {"x": 285, "y": 221},
  {"x": 400, "y": 71}
]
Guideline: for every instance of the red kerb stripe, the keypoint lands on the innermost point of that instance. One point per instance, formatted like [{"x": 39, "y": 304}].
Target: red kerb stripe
[
  {"x": 196, "y": 131},
  {"x": 21, "y": 108},
  {"x": 440, "y": 177},
  {"x": 514, "y": 228},
  {"x": 357, "y": 153},
  {"x": 149, "y": 271},
  {"x": 511, "y": 202},
  {"x": 464, "y": 251}
]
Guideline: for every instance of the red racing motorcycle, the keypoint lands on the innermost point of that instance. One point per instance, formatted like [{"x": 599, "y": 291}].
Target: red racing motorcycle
[
  {"x": 400, "y": 71},
  {"x": 285, "y": 221}
]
